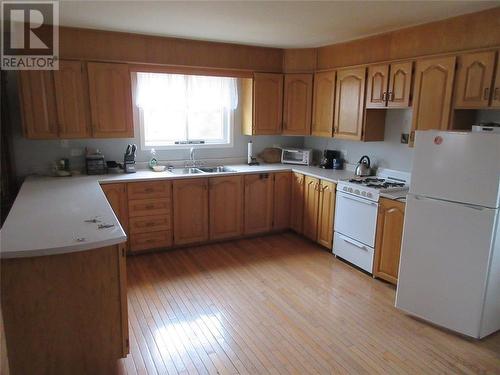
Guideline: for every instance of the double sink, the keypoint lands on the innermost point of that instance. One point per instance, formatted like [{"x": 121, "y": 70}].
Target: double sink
[{"x": 198, "y": 170}]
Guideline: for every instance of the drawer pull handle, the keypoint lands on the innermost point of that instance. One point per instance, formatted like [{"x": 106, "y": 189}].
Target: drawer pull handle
[
  {"x": 149, "y": 190},
  {"x": 496, "y": 93},
  {"x": 355, "y": 244},
  {"x": 149, "y": 206},
  {"x": 486, "y": 93}
]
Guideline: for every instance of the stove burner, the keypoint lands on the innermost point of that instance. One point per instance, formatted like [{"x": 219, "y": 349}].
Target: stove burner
[
  {"x": 356, "y": 181},
  {"x": 374, "y": 179}
]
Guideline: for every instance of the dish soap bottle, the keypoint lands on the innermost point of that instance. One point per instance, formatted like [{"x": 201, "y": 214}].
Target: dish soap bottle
[{"x": 153, "y": 161}]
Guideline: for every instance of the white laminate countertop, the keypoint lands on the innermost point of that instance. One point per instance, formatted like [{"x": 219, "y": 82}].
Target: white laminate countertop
[{"x": 49, "y": 213}]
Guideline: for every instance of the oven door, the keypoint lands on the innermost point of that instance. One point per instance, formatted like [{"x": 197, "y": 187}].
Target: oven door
[{"x": 356, "y": 218}]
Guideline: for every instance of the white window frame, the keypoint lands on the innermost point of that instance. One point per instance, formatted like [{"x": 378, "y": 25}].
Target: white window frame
[{"x": 229, "y": 128}]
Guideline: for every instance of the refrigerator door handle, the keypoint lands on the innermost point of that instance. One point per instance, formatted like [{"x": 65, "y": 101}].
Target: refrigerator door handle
[{"x": 474, "y": 207}]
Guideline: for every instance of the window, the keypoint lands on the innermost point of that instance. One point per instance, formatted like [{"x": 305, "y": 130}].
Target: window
[{"x": 179, "y": 110}]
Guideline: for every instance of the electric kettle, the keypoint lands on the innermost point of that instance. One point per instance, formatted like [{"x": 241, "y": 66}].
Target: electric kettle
[{"x": 363, "y": 167}]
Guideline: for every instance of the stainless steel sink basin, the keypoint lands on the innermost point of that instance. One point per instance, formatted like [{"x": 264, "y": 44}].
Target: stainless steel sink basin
[
  {"x": 219, "y": 169},
  {"x": 185, "y": 171}
]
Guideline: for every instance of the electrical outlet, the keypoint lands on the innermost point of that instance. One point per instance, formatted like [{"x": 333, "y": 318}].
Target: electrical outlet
[
  {"x": 344, "y": 154},
  {"x": 76, "y": 152},
  {"x": 404, "y": 138},
  {"x": 64, "y": 143}
]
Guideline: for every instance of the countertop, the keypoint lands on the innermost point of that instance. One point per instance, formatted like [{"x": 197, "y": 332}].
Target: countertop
[{"x": 49, "y": 214}]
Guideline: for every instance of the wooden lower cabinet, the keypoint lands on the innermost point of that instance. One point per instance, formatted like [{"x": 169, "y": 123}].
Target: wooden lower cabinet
[
  {"x": 311, "y": 206},
  {"x": 326, "y": 212},
  {"x": 117, "y": 198},
  {"x": 282, "y": 196},
  {"x": 258, "y": 203},
  {"x": 190, "y": 202},
  {"x": 388, "y": 239},
  {"x": 66, "y": 313},
  {"x": 297, "y": 203},
  {"x": 226, "y": 207}
]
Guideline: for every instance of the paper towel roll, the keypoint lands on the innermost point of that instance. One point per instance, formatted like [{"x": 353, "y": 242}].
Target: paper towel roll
[{"x": 250, "y": 152}]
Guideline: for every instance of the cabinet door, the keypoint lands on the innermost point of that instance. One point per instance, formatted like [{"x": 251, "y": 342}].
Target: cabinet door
[
  {"x": 110, "y": 100},
  {"x": 311, "y": 206},
  {"x": 432, "y": 94},
  {"x": 71, "y": 100},
  {"x": 258, "y": 203},
  {"x": 117, "y": 198},
  {"x": 297, "y": 203},
  {"x": 326, "y": 213},
  {"x": 495, "y": 100},
  {"x": 376, "y": 90},
  {"x": 474, "y": 79},
  {"x": 323, "y": 104},
  {"x": 38, "y": 104},
  {"x": 349, "y": 103},
  {"x": 297, "y": 104},
  {"x": 190, "y": 210},
  {"x": 400, "y": 76},
  {"x": 226, "y": 207},
  {"x": 267, "y": 103},
  {"x": 388, "y": 240},
  {"x": 282, "y": 196}
]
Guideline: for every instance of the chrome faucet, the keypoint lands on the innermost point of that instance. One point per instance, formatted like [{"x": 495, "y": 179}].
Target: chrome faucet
[{"x": 191, "y": 155}]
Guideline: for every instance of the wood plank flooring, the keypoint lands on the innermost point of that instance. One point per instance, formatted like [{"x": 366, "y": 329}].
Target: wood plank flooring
[{"x": 280, "y": 304}]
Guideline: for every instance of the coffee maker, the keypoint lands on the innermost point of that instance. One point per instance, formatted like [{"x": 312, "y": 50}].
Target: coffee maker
[{"x": 331, "y": 160}]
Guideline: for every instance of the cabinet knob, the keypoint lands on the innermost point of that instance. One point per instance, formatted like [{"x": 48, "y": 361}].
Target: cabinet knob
[
  {"x": 496, "y": 93},
  {"x": 384, "y": 96},
  {"x": 486, "y": 93},
  {"x": 391, "y": 96}
]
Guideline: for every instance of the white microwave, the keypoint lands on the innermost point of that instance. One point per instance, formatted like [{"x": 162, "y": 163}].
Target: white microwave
[{"x": 296, "y": 156}]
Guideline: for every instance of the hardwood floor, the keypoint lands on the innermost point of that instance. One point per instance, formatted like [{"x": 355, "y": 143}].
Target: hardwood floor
[{"x": 280, "y": 304}]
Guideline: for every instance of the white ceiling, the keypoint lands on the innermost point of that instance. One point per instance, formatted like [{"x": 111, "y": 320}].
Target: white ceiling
[{"x": 284, "y": 24}]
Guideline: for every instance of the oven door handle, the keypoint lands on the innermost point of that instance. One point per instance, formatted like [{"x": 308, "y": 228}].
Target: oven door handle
[
  {"x": 361, "y": 200},
  {"x": 362, "y": 247}
]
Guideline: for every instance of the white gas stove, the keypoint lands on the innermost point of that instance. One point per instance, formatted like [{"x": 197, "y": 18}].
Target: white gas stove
[{"x": 356, "y": 212}]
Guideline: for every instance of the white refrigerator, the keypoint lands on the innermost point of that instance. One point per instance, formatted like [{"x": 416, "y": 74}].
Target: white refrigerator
[{"x": 449, "y": 272}]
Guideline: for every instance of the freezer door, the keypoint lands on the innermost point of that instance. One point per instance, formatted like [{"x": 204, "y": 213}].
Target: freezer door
[
  {"x": 460, "y": 167},
  {"x": 444, "y": 262}
]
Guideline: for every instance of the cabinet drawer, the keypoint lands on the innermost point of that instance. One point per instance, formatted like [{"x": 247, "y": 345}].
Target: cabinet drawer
[
  {"x": 353, "y": 251},
  {"x": 146, "y": 224},
  {"x": 149, "y": 207},
  {"x": 146, "y": 190},
  {"x": 153, "y": 240}
]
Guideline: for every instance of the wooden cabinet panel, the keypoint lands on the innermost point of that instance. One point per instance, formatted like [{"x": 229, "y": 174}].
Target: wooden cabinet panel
[
  {"x": 323, "y": 104},
  {"x": 226, "y": 207},
  {"x": 349, "y": 103},
  {"x": 110, "y": 100},
  {"x": 190, "y": 198},
  {"x": 282, "y": 196},
  {"x": 297, "y": 203},
  {"x": 149, "y": 207},
  {"x": 297, "y": 104},
  {"x": 376, "y": 89},
  {"x": 258, "y": 216},
  {"x": 311, "y": 206},
  {"x": 495, "y": 99},
  {"x": 400, "y": 78},
  {"x": 474, "y": 79},
  {"x": 71, "y": 100},
  {"x": 145, "y": 224},
  {"x": 326, "y": 212},
  {"x": 117, "y": 198},
  {"x": 432, "y": 94},
  {"x": 151, "y": 240},
  {"x": 148, "y": 190},
  {"x": 267, "y": 103},
  {"x": 38, "y": 105},
  {"x": 388, "y": 239}
]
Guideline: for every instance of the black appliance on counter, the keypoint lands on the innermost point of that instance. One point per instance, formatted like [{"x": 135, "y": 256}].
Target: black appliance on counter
[
  {"x": 129, "y": 159},
  {"x": 331, "y": 160}
]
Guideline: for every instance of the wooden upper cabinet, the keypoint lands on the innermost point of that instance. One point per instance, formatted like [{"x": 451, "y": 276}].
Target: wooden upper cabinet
[
  {"x": 226, "y": 206},
  {"x": 432, "y": 94},
  {"x": 190, "y": 210},
  {"x": 71, "y": 100},
  {"x": 311, "y": 206},
  {"x": 38, "y": 105},
  {"x": 282, "y": 197},
  {"x": 297, "y": 104},
  {"x": 110, "y": 100},
  {"x": 326, "y": 212},
  {"x": 495, "y": 98},
  {"x": 297, "y": 202},
  {"x": 474, "y": 79},
  {"x": 388, "y": 239},
  {"x": 376, "y": 86},
  {"x": 258, "y": 203},
  {"x": 323, "y": 104},
  {"x": 267, "y": 103},
  {"x": 349, "y": 103},
  {"x": 400, "y": 79},
  {"x": 117, "y": 198}
]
